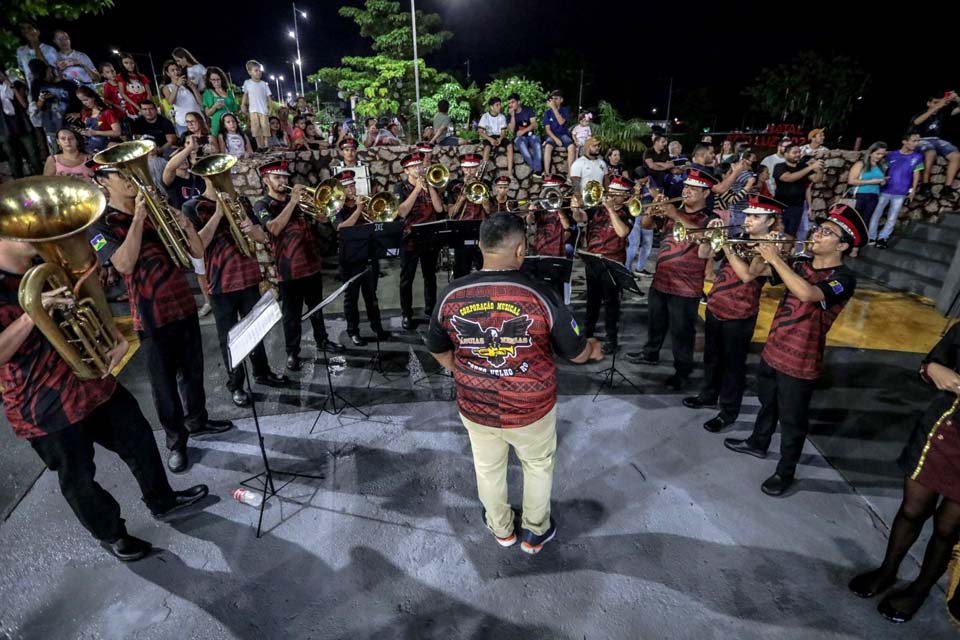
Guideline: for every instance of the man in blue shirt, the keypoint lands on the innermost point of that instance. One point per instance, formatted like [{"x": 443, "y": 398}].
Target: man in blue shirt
[
  {"x": 903, "y": 173},
  {"x": 523, "y": 125},
  {"x": 556, "y": 123}
]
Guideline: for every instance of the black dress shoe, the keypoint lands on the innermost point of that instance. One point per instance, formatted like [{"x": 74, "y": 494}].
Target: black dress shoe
[
  {"x": 293, "y": 363},
  {"x": 714, "y": 425},
  {"x": 639, "y": 357},
  {"x": 384, "y": 336},
  {"x": 183, "y": 499},
  {"x": 865, "y": 585},
  {"x": 271, "y": 380},
  {"x": 675, "y": 382},
  {"x": 177, "y": 462},
  {"x": 776, "y": 484},
  {"x": 893, "y": 614},
  {"x": 127, "y": 548},
  {"x": 212, "y": 427},
  {"x": 358, "y": 340},
  {"x": 241, "y": 398},
  {"x": 331, "y": 347},
  {"x": 407, "y": 323},
  {"x": 695, "y": 402},
  {"x": 742, "y": 446}
]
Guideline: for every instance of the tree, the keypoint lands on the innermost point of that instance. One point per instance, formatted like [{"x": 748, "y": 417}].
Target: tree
[
  {"x": 19, "y": 11},
  {"x": 558, "y": 70},
  {"x": 810, "y": 89},
  {"x": 390, "y": 29},
  {"x": 531, "y": 92},
  {"x": 460, "y": 100},
  {"x": 613, "y": 131}
]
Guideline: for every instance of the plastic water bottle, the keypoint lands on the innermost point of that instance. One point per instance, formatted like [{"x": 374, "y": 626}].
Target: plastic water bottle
[{"x": 245, "y": 496}]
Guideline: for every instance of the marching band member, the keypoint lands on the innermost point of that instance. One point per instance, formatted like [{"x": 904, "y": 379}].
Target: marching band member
[
  {"x": 419, "y": 203},
  {"x": 348, "y": 160},
  {"x": 732, "y": 308},
  {"x": 678, "y": 281},
  {"x": 297, "y": 255},
  {"x": 164, "y": 311},
  {"x": 352, "y": 214},
  {"x": 551, "y": 228},
  {"x": 792, "y": 359},
  {"x": 501, "y": 194},
  {"x": 466, "y": 258}
]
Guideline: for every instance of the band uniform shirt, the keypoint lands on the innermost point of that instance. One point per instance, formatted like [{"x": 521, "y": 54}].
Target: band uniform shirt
[
  {"x": 41, "y": 393},
  {"x": 503, "y": 328},
  {"x": 798, "y": 333},
  {"x": 946, "y": 353},
  {"x": 470, "y": 211},
  {"x": 549, "y": 239},
  {"x": 680, "y": 269},
  {"x": 731, "y": 298},
  {"x": 296, "y": 249},
  {"x": 158, "y": 288},
  {"x": 342, "y": 216},
  {"x": 602, "y": 237},
  {"x": 228, "y": 270},
  {"x": 421, "y": 212}
]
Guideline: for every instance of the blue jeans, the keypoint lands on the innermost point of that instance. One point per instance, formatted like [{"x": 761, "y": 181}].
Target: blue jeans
[
  {"x": 896, "y": 203},
  {"x": 565, "y": 140},
  {"x": 639, "y": 246},
  {"x": 529, "y": 148}
]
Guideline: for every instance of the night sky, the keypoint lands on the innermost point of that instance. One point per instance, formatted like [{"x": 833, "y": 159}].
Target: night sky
[{"x": 629, "y": 53}]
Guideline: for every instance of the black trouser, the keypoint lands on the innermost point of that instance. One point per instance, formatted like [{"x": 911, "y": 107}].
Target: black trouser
[
  {"x": 119, "y": 426},
  {"x": 365, "y": 286},
  {"x": 228, "y": 309},
  {"x": 466, "y": 259},
  {"x": 678, "y": 314},
  {"x": 175, "y": 365},
  {"x": 427, "y": 258},
  {"x": 725, "y": 348},
  {"x": 293, "y": 293},
  {"x": 785, "y": 399},
  {"x": 601, "y": 290}
]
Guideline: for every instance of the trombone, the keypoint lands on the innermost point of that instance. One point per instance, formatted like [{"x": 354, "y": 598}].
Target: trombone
[
  {"x": 322, "y": 201},
  {"x": 594, "y": 192}
]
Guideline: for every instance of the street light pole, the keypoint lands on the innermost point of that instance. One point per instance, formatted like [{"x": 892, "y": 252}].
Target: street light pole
[
  {"x": 296, "y": 32},
  {"x": 316, "y": 90},
  {"x": 416, "y": 64}
]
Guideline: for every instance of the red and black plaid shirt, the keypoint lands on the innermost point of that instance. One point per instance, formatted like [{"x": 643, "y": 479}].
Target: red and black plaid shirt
[
  {"x": 158, "y": 288},
  {"x": 680, "y": 269},
  {"x": 731, "y": 298},
  {"x": 297, "y": 249},
  {"x": 41, "y": 394},
  {"x": 470, "y": 210},
  {"x": 228, "y": 270},
  {"x": 550, "y": 236},
  {"x": 602, "y": 237},
  {"x": 421, "y": 212},
  {"x": 503, "y": 328},
  {"x": 500, "y": 206},
  {"x": 798, "y": 334}
]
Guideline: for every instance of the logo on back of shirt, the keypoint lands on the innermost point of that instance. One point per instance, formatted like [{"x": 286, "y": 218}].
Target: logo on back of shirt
[{"x": 492, "y": 344}]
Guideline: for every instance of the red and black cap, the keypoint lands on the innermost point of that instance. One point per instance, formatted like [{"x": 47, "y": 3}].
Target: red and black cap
[
  {"x": 274, "y": 168},
  {"x": 502, "y": 181},
  {"x": 552, "y": 178},
  {"x": 620, "y": 184},
  {"x": 346, "y": 177},
  {"x": 347, "y": 143},
  {"x": 425, "y": 147},
  {"x": 850, "y": 222},
  {"x": 411, "y": 160},
  {"x": 700, "y": 178},
  {"x": 758, "y": 205},
  {"x": 470, "y": 160},
  {"x": 100, "y": 169}
]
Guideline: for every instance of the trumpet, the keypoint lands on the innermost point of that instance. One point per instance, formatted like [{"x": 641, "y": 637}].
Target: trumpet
[
  {"x": 652, "y": 208},
  {"x": 437, "y": 175},
  {"x": 322, "y": 201},
  {"x": 748, "y": 248},
  {"x": 382, "y": 207},
  {"x": 216, "y": 168},
  {"x": 716, "y": 236},
  {"x": 594, "y": 192},
  {"x": 130, "y": 159}
]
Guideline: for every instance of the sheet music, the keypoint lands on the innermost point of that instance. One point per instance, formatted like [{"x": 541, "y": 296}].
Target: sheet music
[
  {"x": 249, "y": 332},
  {"x": 333, "y": 296}
]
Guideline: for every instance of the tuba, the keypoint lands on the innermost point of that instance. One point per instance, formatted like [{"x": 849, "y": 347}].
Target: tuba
[
  {"x": 216, "y": 169},
  {"x": 382, "y": 207},
  {"x": 438, "y": 176},
  {"x": 130, "y": 158},
  {"x": 476, "y": 191},
  {"x": 322, "y": 201},
  {"x": 52, "y": 213}
]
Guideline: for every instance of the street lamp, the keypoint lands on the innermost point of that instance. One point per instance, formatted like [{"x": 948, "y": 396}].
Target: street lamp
[
  {"x": 416, "y": 64},
  {"x": 296, "y": 37},
  {"x": 153, "y": 70},
  {"x": 276, "y": 80}
]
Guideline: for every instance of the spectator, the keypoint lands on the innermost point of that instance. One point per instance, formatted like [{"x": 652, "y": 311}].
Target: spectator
[
  {"x": 73, "y": 65},
  {"x": 523, "y": 125},
  {"x": 582, "y": 131},
  {"x": 443, "y": 134},
  {"x": 370, "y": 132},
  {"x": 151, "y": 123},
  {"x": 233, "y": 139},
  {"x": 256, "y": 103},
  {"x": 113, "y": 95},
  {"x": 33, "y": 50},
  {"x": 387, "y": 135},
  {"x": 302, "y": 108},
  {"x": 195, "y": 72},
  {"x": 197, "y": 129},
  {"x": 814, "y": 147},
  {"x": 218, "y": 98},
  {"x": 100, "y": 123},
  {"x": 55, "y": 101},
  {"x": 929, "y": 125},
  {"x": 313, "y": 139},
  {"x": 427, "y": 134},
  {"x": 792, "y": 177},
  {"x": 556, "y": 124},
  {"x": 297, "y": 138},
  {"x": 135, "y": 85},
  {"x": 590, "y": 166},
  {"x": 71, "y": 161},
  {"x": 673, "y": 180},
  {"x": 866, "y": 177},
  {"x": 744, "y": 184},
  {"x": 726, "y": 152},
  {"x": 763, "y": 179},
  {"x": 640, "y": 240},
  {"x": 278, "y": 137},
  {"x": 492, "y": 126},
  {"x": 904, "y": 167},
  {"x": 657, "y": 161},
  {"x": 156, "y": 162},
  {"x": 181, "y": 94},
  {"x": 773, "y": 160},
  {"x": 17, "y": 137},
  {"x": 615, "y": 166}
]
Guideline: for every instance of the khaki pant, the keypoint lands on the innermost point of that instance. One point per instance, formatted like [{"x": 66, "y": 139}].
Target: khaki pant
[
  {"x": 259, "y": 125},
  {"x": 534, "y": 445}
]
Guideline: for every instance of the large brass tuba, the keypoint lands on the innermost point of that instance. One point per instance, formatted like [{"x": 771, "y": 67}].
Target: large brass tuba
[
  {"x": 216, "y": 169},
  {"x": 130, "y": 158},
  {"x": 52, "y": 213},
  {"x": 382, "y": 207},
  {"x": 437, "y": 175},
  {"x": 322, "y": 201}
]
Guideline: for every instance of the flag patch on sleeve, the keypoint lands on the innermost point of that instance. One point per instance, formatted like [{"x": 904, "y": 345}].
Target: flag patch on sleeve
[
  {"x": 835, "y": 286},
  {"x": 575, "y": 326},
  {"x": 98, "y": 242}
]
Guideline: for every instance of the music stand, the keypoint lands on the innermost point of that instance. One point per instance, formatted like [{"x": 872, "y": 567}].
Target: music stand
[
  {"x": 451, "y": 234},
  {"x": 596, "y": 264},
  {"x": 332, "y": 395},
  {"x": 241, "y": 340},
  {"x": 553, "y": 270}
]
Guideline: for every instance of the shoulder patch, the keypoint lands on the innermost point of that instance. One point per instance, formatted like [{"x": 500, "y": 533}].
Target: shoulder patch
[
  {"x": 98, "y": 242},
  {"x": 835, "y": 286},
  {"x": 574, "y": 326}
]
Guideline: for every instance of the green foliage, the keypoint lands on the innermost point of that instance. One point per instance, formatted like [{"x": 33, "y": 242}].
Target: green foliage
[
  {"x": 559, "y": 69},
  {"x": 17, "y": 11},
  {"x": 460, "y": 100},
  {"x": 388, "y": 25},
  {"x": 810, "y": 86},
  {"x": 614, "y": 131},
  {"x": 532, "y": 94}
]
